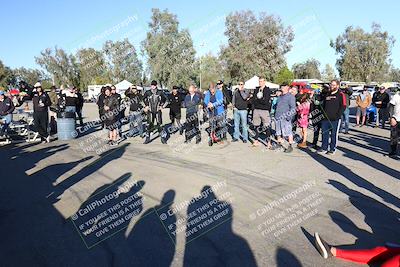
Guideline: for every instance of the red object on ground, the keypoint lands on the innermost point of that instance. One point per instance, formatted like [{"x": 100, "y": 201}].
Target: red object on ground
[{"x": 390, "y": 257}]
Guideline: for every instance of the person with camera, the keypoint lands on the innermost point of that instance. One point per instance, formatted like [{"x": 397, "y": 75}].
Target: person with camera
[
  {"x": 381, "y": 100},
  {"x": 135, "y": 109}
]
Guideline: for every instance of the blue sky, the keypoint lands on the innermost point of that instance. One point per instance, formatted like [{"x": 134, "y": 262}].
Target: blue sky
[{"x": 27, "y": 27}]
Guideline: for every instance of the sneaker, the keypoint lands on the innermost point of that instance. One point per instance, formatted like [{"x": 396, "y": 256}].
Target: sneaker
[
  {"x": 256, "y": 143},
  {"x": 289, "y": 149},
  {"x": 302, "y": 145},
  {"x": 323, "y": 248},
  {"x": 234, "y": 140},
  {"x": 321, "y": 151},
  {"x": 147, "y": 140},
  {"x": 48, "y": 139},
  {"x": 113, "y": 143},
  {"x": 331, "y": 152},
  {"x": 245, "y": 141},
  {"x": 198, "y": 141}
]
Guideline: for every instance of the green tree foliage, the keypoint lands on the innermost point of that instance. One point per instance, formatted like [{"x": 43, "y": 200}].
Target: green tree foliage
[
  {"x": 211, "y": 70},
  {"x": 92, "y": 67},
  {"x": 394, "y": 75},
  {"x": 256, "y": 45},
  {"x": 170, "y": 53},
  {"x": 6, "y": 76},
  {"x": 122, "y": 61},
  {"x": 328, "y": 74},
  {"x": 60, "y": 65},
  {"x": 284, "y": 76},
  {"x": 364, "y": 56},
  {"x": 31, "y": 76},
  {"x": 307, "y": 70}
]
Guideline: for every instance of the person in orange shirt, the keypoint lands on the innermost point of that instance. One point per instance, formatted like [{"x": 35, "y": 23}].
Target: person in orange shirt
[{"x": 363, "y": 101}]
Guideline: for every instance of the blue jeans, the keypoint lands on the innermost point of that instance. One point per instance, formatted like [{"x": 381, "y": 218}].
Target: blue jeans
[
  {"x": 330, "y": 131},
  {"x": 240, "y": 118},
  {"x": 345, "y": 121},
  {"x": 70, "y": 109},
  {"x": 6, "y": 119}
]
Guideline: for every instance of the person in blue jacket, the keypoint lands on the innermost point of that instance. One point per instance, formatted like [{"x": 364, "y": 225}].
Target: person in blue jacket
[{"x": 214, "y": 101}]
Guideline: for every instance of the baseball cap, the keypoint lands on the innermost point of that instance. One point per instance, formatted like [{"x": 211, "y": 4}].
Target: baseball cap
[
  {"x": 153, "y": 82},
  {"x": 38, "y": 84}
]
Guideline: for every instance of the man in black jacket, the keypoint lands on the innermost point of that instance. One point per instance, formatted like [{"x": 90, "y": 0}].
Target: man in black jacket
[
  {"x": 175, "y": 103},
  {"x": 154, "y": 100},
  {"x": 135, "y": 109},
  {"x": 333, "y": 107},
  {"x": 240, "y": 102},
  {"x": 192, "y": 102},
  {"x": 79, "y": 105},
  {"x": 100, "y": 105},
  {"x": 6, "y": 110},
  {"x": 41, "y": 103},
  {"x": 381, "y": 100},
  {"x": 261, "y": 99}
]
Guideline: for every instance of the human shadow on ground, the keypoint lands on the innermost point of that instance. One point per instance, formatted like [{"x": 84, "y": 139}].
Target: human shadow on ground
[
  {"x": 382, "y": 220},
  {"x": 210, "y": 240},
  {"x": 348, "y": 174},
  {"x": 285, "y": 258}
]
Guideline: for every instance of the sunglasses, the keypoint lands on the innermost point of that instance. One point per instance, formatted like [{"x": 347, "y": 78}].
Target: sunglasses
[{"x": 241, "y": 84}]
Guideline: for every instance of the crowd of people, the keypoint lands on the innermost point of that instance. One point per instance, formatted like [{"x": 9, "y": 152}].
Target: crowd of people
[
  {"x": 263, "y": 115},
  {"x": 277, "y": 118}
]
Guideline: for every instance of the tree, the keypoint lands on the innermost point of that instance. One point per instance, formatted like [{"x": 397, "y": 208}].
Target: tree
[
  {"x": 256, "y": 45},
  {"x": 6, "y": 76},
  {"x": 210, "y": 68},
  {"x": 92, "y": 67},
  {"x": 123, "y": 61},
  {"x": 170, "y": 53},
  {"x": 30, "y": 76},
  {"x": 363, "y": 56},
  {"x": 307, "y": 70},
  {"x": 394, "y": 75},
  {"x": 284, "y": 76},
  {"x": 328, "y": 74},
  {"x": 63, "y": 67}
]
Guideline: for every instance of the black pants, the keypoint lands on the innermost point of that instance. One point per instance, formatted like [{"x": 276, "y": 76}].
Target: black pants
[
  {"x": 41, "y": 122},
  {"x": 152, "y": 119},
  {"x": 79, "y": 115},
  {"x": 175, "y": 116},
  {"x": 317, "y": 129},
  {"x": 192, "y": 127},
  {"x": 394, "y": 137}
]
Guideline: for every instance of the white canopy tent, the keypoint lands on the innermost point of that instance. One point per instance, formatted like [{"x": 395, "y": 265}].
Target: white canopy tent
[
  {"x": 123, "y": 86},
  {"x": 254, "y": 82}
]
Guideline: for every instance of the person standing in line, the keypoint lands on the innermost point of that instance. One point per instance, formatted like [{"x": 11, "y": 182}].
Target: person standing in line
[
  {"x": 303, "y": 110},
  {"x": 155, "y": 101},
  {"x": 192, "y": 103},
  {"x": 284, "y": 113},
  {"x": 135, "y": 109},
  {"x": 6, "y": 110},
  {"x": 394, "y": 111},
  {"x": 214, "y": 101},
  {"x": 333, "y": 107},
  {"x": 240, "y": 101},
  {"x": 227, "y": 103},
  {"x": 79, "y": 105},
  {"x": 262, "y": 106},
  {"x": 344, "y": 126},
  {"x": 41, "y": 103},
  {"x": 70, "y": 99},
  {"x": 111, "y": 115},
  {"x": 317, "y": 114},
  {"x": 175, "y": 103},
  {"x": 363, "y": 101},
  {"x": 121, "y": 109},
  {"x": 100, "y": 105},
  {"x": 381, "y": 100}
]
